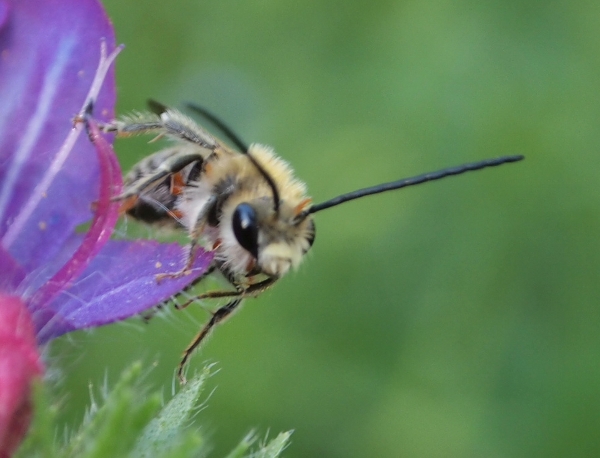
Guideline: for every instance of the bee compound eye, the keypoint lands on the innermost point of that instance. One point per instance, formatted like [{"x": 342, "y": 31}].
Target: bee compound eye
[{"x": 245, "y": 228}]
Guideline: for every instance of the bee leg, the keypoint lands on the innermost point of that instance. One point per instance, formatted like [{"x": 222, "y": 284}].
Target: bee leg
[
  {"x": 208, "y": 272},
  {"x": 217, "y": 317},
  {"x": 250, "y": 291},
  {"x": 149, "y": 314},
  {"x": 171, "y": 123},
  {"x": 130, "y": 128},
  {"x": 209, "y": 295},
  {"x": 194, "y": 246},
  {"x": 187, "y": 268}
]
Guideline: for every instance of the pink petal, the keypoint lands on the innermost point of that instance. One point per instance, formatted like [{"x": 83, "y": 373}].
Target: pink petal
[{"x": 19, "y": 365}]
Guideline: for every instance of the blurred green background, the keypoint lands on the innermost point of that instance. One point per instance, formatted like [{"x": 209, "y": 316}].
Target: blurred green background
[{"x": 455, "y": 319}]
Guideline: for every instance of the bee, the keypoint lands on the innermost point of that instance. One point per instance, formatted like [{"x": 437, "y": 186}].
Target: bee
[{"x": 246, "y": 207}]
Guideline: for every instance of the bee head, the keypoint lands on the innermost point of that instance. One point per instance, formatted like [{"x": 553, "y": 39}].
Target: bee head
[{"x": 258, "y": 240}]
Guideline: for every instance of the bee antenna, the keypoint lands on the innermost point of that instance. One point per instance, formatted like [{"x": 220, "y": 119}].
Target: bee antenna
[
  {"x": 219, "y": 124},
  {"x": 156, "y": 107},
  {"x": 431, "y": 176},
  {"x": 229, "y": 133},
  {"x": 159, "y": 108}
]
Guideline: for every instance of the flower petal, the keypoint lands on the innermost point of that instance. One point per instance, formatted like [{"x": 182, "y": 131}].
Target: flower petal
[
  {"x": 19, "y": 365},
  {"x": 49, "y": 51},
  {"x": 4, "y": 9},
  {"x": 12, "y": 275},
  {"x": 105, "y": 218},
  {"x": 121, "y": 282}
]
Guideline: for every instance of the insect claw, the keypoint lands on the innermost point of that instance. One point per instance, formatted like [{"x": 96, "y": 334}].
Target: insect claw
[
  {"x": 85, "y": 114},
  {"x": 182, "y": 379},
  {"x": 78, "y": 119}
]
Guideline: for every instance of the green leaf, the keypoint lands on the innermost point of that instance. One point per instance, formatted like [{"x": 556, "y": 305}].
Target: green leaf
[
  {"x": 111, "y": 429},
  {"x": 40, "y": 440},
  {"x": 243, "y": 446},
  {"x": 167, "y": 428},
  {"x": 130, "y": 422},
  {"x": 274, "y": 448}
]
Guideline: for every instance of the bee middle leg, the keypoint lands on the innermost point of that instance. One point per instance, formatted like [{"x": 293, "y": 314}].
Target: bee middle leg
[
  {"x": 217, "y": 317},
  {"x": 250, "y": 291}
]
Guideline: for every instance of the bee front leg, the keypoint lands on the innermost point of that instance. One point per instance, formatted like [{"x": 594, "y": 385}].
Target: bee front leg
[
  {"x": 169, "y": 123},
  {"x": 143, "y": 124},
  {"x": 194, "y": 246},
  {"x": 187, "y": 268}
]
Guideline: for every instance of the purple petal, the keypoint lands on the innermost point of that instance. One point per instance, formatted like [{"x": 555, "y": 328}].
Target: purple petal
[
  {"x": 49, "y": 51},
  {"x": 121, "y": 282},
  {"x": 11, "y": 273},
  {"x": 4, "y": 9},
  {"x": 50, "y": 175}
]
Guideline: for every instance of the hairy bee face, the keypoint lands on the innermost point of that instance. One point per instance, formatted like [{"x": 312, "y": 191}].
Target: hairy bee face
[{"x": 255, "y": 239}]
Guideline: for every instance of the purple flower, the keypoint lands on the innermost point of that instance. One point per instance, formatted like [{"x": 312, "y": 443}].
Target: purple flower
[{"x": 53, "y": 279}]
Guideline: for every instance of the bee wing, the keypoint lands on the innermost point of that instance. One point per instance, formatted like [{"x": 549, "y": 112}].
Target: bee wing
[
  {"x": 152, "y": 170},
  {"x": 153, "y": 186}
]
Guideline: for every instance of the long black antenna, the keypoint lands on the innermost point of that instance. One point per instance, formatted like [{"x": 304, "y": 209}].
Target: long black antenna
[
  {"x": 432, "y": 176},
  {"x": 229, "y": 133}
]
